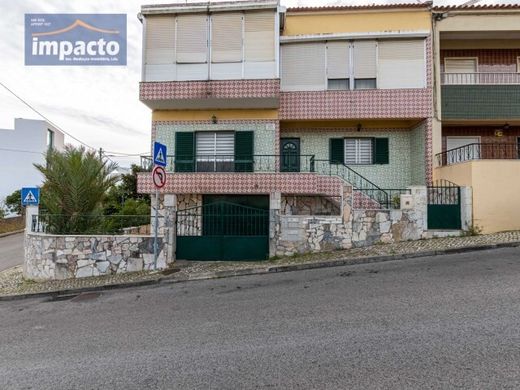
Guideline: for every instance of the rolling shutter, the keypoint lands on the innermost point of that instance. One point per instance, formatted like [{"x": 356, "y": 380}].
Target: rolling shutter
[
  {"x": 184, "y": 152},
  {"x": 337, "y": 151},
  {"x": 338, "y": 66},
  {"x": 381, "y": 151},
  {"x": 244, "y": 146},
  {"x": 401, "y": 64},
  {"x": 303, "y": 66},
  {"x": 460, "y": 65},
  {"x": 160, "y": 40},
  {"x": 358, "y": 151},
  {"x": 226, "y": 37},
  {"x": 259, "y": 36},
  {"x": 192, "y": 39},
  {"x": 364, "y": 59}
]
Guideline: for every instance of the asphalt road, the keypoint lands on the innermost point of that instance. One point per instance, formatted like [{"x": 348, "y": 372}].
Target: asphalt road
[
  {"x": 11, "y": 251},
  {"x": 440, "y": 322}
]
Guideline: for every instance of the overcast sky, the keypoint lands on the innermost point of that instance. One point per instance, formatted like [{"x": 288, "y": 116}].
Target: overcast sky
[{"x": 98, "y": 104}]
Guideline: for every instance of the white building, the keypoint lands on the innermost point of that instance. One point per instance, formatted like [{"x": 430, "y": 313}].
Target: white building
[{"x": 20, "y": 149}]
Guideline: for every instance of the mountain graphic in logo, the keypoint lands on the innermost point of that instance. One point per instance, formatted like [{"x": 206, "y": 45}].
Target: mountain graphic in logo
[{"x": 77, "y": 23}]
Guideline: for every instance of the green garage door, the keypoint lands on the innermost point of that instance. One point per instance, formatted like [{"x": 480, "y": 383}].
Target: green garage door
[{"x": 224, "y": 228}]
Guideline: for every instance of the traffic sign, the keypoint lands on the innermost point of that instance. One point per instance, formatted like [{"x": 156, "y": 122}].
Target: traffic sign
[
  {"x": 159, "y": 177},
  {"x": 159, "y": 154},
  {"x": 30, "y": 196}
]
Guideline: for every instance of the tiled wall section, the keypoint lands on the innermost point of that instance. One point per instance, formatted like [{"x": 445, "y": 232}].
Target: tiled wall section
[
  {"x": 489, "y": 60},
  {"x": 266, "y": 132},
  {"x": 396, "y": 174},
  {"x": 417, "y": 154}
]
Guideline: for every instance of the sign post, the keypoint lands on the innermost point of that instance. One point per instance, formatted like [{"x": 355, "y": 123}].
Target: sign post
[{"x": 159, "y": 180}]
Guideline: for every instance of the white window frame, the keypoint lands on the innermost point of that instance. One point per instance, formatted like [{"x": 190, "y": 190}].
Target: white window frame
[
  {"x": 462, "y": 58},
  {"x": 358, "y": 151}
]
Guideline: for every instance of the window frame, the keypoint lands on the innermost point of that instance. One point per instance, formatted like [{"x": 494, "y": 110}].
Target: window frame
[
  {"x": 371, "y": 139},
  {"x": 462, "y": 58},
  {"x": 51, "y": 136}
]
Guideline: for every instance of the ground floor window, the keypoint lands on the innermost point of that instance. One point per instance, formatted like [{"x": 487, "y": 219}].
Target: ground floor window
[{"x": 358, "y": 151}]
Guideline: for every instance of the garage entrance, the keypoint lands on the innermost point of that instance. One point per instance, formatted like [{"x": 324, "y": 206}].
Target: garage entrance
[{"x": 224, "y": 228}]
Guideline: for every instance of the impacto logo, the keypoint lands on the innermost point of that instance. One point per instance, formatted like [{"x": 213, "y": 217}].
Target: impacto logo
[{"x": 75, "y": 39}]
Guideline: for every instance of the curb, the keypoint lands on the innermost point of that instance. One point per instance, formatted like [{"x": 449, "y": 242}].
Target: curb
[
  {"x": 263, "y": 271},
  {"x": 11, "y": 233}
]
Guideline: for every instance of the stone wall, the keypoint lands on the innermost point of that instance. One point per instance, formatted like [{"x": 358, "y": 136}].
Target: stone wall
[
  {"x": 50, "y": 257},
  {"x": 355, "y": 228},
  {"x": 310, "y": 205}
]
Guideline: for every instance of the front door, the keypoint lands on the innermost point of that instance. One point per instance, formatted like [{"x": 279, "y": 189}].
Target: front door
[{"x": 290, "y": 155}]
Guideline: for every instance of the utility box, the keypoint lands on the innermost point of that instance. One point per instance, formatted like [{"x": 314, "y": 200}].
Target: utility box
[{"x": 406, "y": 202}]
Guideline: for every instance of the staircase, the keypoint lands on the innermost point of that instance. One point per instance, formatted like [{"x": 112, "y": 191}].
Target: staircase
[{"x": 366, "y": 195}]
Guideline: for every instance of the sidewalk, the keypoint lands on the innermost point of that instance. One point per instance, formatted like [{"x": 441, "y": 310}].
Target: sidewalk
[{"x": 13, "y": 284}]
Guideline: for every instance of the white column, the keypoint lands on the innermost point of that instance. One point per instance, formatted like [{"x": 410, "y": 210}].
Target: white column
[{"x": 30, "y": 211}]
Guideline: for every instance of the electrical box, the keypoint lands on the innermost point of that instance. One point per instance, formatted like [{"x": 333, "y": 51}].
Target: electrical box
[{"x": 406, "y": 201}]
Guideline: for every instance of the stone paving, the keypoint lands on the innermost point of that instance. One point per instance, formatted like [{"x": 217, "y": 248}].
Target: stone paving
[{"x": 12, "y": 282}]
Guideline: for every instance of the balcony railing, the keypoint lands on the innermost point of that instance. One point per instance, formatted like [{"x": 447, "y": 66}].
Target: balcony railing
[
  {"x": 233, "y": 163},
  {"x": 479, "y": 151},
  {"x": 480, "y": 78}
]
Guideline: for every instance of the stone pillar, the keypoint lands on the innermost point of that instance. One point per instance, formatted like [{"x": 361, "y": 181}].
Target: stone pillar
[
  {"x": 466, "y": 207},
  {"x": 275, "y": 204},
  {"x": 30, "y": 211},
  {"x": 420, "y": 206},
  {"x": 169, "y": 227}
]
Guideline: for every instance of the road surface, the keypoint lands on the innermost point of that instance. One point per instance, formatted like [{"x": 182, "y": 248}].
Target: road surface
[
  {"x": 439, "y": 322},
  {"x": 11, "y": 251}
]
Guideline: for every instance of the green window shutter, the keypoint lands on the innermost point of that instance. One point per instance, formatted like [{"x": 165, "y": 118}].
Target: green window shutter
[
  {"x": 185, "y": 151},
  {"x": 337, "y": 151},
  {"x": 244, "y": 146},
  {"x": 380, "y": 151}
]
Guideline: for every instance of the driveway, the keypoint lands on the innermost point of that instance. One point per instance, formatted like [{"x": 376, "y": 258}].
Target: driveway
[
  {"x": 437, "y": 323},
  {"x": 11, "y": 251}
]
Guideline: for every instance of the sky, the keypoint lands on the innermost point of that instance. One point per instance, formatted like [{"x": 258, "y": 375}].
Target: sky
[{"x": 99, "y": 104}]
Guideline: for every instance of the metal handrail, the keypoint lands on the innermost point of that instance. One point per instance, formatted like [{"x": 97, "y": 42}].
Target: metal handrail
[
  {"x": 483, "y": 78},
  {"x": 479, "y": 151}
]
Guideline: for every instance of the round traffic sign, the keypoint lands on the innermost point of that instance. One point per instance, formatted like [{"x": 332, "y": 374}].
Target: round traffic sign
[{"x": 159, "y": 177}]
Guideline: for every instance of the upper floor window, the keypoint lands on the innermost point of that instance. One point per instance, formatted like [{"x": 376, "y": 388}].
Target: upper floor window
[
  {"x": 349, "y": 65},
  {"x": 50, "y": 139},
  {"x": 222, "y": 45}
]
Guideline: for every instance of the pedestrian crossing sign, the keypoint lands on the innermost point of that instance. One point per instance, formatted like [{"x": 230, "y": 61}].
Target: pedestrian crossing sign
[
  {"x": 159, "y": 154},
  {"x": 30, "y": 196}
]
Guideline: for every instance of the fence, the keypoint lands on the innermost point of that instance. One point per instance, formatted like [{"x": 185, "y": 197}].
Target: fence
[
  {"x": 479, "y": 151},
  {"x": 480, "y": 78},
  {"x": 91, "y": 224}
]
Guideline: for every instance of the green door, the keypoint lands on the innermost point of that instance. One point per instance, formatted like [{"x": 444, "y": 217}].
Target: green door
[
  {"x": 444, "y": 208},
  {"x": 224, "y": 228},
  {"x": 290, "y": 154}
]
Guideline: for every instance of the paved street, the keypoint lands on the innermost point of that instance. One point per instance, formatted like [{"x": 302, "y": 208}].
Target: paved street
[
  {"x": 442, "y": 322},
  {"x": 11, "y": 251}
]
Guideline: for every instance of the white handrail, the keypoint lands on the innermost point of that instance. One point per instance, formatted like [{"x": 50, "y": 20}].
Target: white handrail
[{"x": 480, "y": 78}]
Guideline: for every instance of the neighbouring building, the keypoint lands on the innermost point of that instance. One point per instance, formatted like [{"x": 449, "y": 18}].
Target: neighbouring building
[
  {"x": 290, "y": 129},
  {"x": 477, "y": 107},
  {"x": 21, "y": 148}
]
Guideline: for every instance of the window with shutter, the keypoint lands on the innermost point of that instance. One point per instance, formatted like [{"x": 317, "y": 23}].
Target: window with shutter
[
  {"x": 381, "y": 151},
  {"x": 303, "y": 66},
  {"x": 184, "y": 152},
  {"x": 358, "y": 151},
  {"x": 259, "y": 38},
  {"x": 160, "y": 40},
  {"x": 364, "y": 62},
  {"x": 336, "y": 151},
  {"x": 192, "y": 39},
  {"x": 401, "y": 64},
  {"x": 215, "y": 151},
  {"x": 460, "y": 65},
  {"x": 244, "y": 146},
  {"x": 226, "y": 37}
]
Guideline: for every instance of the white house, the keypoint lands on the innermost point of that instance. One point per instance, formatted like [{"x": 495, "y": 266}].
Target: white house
[{"x": 21, "y": 148}]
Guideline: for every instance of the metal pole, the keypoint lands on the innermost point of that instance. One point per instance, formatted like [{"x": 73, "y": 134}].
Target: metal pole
[{"x": 156, "y": 228}]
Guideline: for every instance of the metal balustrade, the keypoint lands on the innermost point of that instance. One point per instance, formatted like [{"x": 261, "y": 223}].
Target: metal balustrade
[
  {"x": 480, "y": 78},
  {"x": 479, "y": 151}
]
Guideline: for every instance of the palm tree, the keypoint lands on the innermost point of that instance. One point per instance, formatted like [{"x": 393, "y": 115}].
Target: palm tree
[{"x": 76, "y": 182}]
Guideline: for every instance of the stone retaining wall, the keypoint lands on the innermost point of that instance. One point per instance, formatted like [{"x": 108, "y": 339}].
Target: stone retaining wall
[{"x": 51, "y": 257}]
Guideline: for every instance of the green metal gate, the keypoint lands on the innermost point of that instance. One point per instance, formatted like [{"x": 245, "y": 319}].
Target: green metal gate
[
  {"x": 444, "y": 206},
  {"x": 223, "y": 230}
]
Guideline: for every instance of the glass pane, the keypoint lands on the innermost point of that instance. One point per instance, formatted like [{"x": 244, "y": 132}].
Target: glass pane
[
  {"x": 337, "y": 84},
  {"x": 365, "y": 83}
]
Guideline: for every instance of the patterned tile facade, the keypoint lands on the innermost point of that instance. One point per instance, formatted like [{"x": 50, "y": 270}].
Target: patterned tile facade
[
  {"x": 399, "y": 173},
  {"x": 228, "y": 89},
  {"x": 244, "y": 183},
  {"x": 489, "y": 60},
  {"x": 362, "y": 104}
]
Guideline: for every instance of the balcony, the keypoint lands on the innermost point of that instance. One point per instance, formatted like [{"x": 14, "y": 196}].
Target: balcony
[
  {"x": 212, "y": 94},
  {"x": 479, "y": 151},
  {"x": 480, "y": 96}
]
